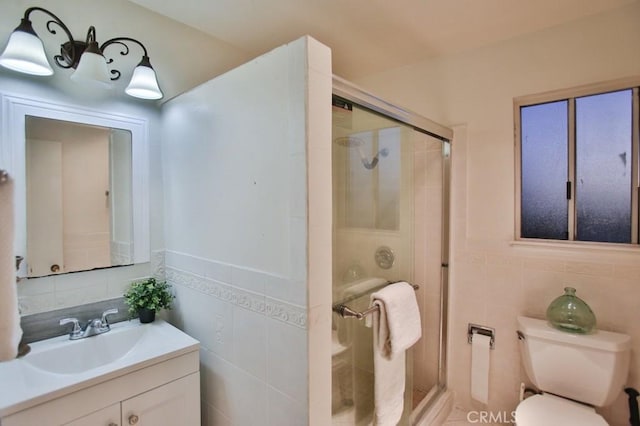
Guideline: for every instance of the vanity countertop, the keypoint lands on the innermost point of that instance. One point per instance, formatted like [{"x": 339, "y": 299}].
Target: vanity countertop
[{"x": 23, "y": 384}]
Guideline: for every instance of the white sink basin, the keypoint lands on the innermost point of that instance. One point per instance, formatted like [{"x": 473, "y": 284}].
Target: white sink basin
[
  {"x": 59, "y": 366},
  {"x": 70, "y": 357}
]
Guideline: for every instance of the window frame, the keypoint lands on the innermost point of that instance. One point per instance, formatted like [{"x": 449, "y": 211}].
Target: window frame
[{"x": 570, "y": 95}]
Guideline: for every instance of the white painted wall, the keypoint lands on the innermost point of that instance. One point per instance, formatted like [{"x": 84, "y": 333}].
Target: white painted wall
[
  {"x": 492, "y": 281},
  {"x": 239, "y": 232}
]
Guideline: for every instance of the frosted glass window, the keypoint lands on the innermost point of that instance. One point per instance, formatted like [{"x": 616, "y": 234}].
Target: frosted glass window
[
  {"x": 603, "y": 167},
  {"x": 579, "y": 166},
  {"x": 544, "y": 169}
]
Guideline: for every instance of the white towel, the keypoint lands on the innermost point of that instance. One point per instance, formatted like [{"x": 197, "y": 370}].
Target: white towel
[
  {"x": 396, "y": 327},
  {"x": 10, "y": 331}
]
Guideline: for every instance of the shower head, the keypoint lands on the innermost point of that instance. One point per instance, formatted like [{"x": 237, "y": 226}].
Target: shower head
[{"x": 353, "y": 142}]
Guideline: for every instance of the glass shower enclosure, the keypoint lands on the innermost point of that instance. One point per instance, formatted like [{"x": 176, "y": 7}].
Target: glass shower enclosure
[{"x": 390, "y": 172}]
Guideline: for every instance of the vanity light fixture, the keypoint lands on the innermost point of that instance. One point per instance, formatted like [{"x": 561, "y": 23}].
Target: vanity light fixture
[{"x": 25, "y": 53}]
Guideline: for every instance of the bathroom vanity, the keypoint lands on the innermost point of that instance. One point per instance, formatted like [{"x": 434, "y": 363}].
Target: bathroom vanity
[{"x": 134, "y": 374}]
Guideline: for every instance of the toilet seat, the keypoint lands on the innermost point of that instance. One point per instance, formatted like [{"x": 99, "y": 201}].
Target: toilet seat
[{"x": 547, "y": 409}]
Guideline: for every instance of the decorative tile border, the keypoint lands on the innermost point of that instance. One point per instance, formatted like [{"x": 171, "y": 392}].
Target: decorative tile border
[
  {"x": 285, "y": 312},
  {"x": 276, "y": 309}
]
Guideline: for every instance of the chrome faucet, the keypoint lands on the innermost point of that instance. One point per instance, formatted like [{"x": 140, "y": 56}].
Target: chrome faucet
[{"x": 93, "y": 327}]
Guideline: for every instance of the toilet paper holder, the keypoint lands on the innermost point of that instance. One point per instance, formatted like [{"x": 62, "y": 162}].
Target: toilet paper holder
[{"x": 481, "y": 329}]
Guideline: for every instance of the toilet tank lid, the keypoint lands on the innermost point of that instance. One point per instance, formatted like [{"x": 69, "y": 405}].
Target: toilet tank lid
[{"x": 603, "y": 340}]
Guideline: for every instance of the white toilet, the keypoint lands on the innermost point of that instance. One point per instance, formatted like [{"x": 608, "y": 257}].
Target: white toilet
[{"x": 574, "y": 372}]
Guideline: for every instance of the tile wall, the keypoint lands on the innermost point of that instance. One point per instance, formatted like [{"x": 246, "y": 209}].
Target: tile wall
[{"x": 253, "y": 345}]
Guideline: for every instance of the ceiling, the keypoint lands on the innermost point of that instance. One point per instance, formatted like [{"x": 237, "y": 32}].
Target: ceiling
[{"x": 369, "y": 36}]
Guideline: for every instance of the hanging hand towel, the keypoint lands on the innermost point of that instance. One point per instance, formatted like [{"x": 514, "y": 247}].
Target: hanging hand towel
[
  {"x": 396, "y": 327},
  {"x": 10, "y": 331}
]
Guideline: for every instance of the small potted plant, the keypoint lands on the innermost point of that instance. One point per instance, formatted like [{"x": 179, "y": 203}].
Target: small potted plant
[{"x": 147, "y": 296}]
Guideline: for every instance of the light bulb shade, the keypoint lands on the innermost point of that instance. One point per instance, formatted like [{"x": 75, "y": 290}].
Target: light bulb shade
[
  {"x": 92, "y": 69},
  {"x": 25, "y": 53},
  {"x": 144, "y": 83}
]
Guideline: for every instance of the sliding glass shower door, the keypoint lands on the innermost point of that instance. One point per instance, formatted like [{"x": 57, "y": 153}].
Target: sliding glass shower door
[{"x": 388, "y": 226}]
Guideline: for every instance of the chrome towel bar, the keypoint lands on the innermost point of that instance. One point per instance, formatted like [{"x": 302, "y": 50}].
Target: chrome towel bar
[{"x": 346, "y": 312}]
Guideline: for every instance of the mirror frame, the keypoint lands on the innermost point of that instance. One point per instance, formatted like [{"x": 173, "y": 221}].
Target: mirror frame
[{"x": 14, "y": 110}]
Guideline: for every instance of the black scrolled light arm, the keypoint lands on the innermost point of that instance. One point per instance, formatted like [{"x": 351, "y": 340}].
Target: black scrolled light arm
[
  {"x": 91, "y": 35},
  {"x": 124, "y": 52},
  {"x": 60, "y": 60}
]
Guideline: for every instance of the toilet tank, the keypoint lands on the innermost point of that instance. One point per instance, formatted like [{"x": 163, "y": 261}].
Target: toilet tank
[{"x": 589, "y": 368}]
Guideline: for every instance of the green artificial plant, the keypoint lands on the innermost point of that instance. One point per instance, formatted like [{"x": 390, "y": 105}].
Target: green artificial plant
[{"x": 148, "y": 294}]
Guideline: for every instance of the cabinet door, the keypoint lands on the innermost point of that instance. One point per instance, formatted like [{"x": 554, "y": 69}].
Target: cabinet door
[
  {"x": 109, "y": 416},
  {"x": 176, "y": 403}
]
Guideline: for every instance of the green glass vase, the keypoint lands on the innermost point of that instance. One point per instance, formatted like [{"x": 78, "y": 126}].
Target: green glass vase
[{"x": 570, "y": 313}]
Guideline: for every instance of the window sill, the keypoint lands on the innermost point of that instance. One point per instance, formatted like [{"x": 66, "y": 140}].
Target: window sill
[{"x": 577, "y": 246}]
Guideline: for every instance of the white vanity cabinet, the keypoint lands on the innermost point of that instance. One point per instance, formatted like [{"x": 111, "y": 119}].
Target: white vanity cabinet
[
  {"x": 176, "y": 403},
  {"x": 166, "y": 393},
  {"x": 109, "y": 416}
]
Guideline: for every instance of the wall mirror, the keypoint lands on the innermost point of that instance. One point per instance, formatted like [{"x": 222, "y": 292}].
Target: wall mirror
[{"x": 81, "y": 186}]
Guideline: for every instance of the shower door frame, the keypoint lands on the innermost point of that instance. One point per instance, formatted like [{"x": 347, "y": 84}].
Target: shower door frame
[{"x": 348, "y": 91}]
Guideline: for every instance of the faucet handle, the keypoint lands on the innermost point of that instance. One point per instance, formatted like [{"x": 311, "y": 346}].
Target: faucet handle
[
  {"x": 76, "y": 325},
  {"x": 104, "y": 320}
]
